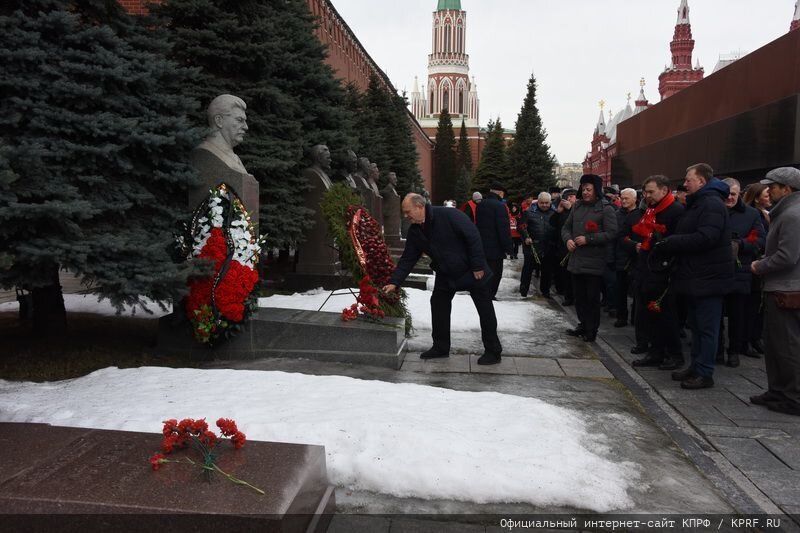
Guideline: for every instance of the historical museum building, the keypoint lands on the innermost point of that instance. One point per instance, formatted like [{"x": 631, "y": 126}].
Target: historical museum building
[{"x": 741, "y": 132}]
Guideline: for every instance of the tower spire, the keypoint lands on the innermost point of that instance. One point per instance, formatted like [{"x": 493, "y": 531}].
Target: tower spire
[
  {"x": 680, "y": 74},
  {"x": 796, "y": 19}
]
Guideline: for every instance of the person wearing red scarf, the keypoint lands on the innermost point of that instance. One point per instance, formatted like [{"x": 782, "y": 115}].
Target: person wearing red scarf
[{"x": 656, "y": 315}]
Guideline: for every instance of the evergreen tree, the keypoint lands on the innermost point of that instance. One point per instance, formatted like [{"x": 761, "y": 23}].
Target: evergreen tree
[
  {"x": 494, "y": 164},
  {"x": 464, "y": 165},
  {"x": 93, "y": 172},
  {"x": 531, "y": 162},
  {"x": 384, "y": 133},
  {"x": 265, "y": 52},
  {"x": 445, "y": 171}
]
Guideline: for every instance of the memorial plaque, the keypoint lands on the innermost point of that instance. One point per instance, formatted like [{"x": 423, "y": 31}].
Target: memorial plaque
[{"x": 76, "y": 472}]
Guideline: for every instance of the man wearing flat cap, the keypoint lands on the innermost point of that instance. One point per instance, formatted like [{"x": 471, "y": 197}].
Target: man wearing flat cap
[
  {"x": 780, "y": 269},
  {"x": 491, "y": 217}
]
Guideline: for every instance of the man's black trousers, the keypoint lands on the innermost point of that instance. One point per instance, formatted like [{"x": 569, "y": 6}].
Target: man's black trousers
[
  {"x": 441, "y": 306},
  {"x": 587, "y": 288}
]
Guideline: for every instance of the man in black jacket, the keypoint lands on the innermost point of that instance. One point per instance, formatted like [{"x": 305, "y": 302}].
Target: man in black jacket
[
  {"x": 453, "y": 243},
  {"x": 656, "y": 308},
  {"x": 702, "y": 245},
  {"x": 540, "y": 235},
  {"x": 491, "y": 217}
]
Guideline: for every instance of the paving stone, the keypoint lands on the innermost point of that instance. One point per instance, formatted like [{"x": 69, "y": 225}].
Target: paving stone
[
  {"x": 507, "y": 366},
  {"x": 783, "y": 489},
  {"x": 701, "y": 414},
  {"x": 751, "y": 412},
  {"x": 527, "y": 366},
  {"x": 787, "y": 450},
  {"x": 454, "y": 363},
  {"x": 584, "y": 369},
  {"x": 743, "y": 432},
  {"x": 749, "y": 455},
  {"x": 344, "y": 523},
  {"x": 409, "y": 525}
]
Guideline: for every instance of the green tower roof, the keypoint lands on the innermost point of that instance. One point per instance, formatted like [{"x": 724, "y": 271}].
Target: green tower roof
[{"x": 449, "y": 4}]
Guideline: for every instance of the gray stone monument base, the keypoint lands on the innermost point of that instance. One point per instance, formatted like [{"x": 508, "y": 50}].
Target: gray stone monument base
[
  {"x": 301, "y": 282},
  {"x": 73, "y": 479},
  {"x": 292, "y": 333}
]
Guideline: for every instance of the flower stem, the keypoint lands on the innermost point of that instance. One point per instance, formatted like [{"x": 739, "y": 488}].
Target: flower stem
[{"x": 236, "y": 479}]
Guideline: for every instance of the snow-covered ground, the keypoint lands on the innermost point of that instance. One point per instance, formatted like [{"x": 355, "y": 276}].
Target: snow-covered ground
[
  {"x": 404, "y": 440},
  {"x": 88, "y": 303}
]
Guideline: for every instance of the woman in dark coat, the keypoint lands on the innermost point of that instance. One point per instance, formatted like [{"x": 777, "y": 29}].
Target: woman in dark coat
[
  {"x": 747, "y": 239},
  {"x": 757, "y": 196}
]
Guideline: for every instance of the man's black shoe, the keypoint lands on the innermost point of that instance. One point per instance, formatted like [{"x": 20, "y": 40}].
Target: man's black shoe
[
  {"x": 433, "y": 353},
  {"x": 751, "y": 353},
  {"x": 767, "y": 398},
  {"x": 758, "y": 346},
  {"x": 733, "y": 360},
  {"x": 682, "y": 375},
  {"x": 787, "y": 407},
  {"x": 671, "y": 363},
  {"x": 523, "y": 294},
  {"x": 648, "y": 360},
  {"x": 636, "y": 350},
  {"x": 620, "y": 323},
  {"x": 577, "y": 332},
  {"x": 697, "y": 382},
  {"x": 489, "y": 358},
  {"x": 589, "y": 337}
]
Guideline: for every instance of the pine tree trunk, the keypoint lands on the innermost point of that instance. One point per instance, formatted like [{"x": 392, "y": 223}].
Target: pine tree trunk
[{"x": 49, "y": 313}]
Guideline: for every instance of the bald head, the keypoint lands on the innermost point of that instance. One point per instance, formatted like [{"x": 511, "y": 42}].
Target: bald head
[{"x": 414, "y": 208}]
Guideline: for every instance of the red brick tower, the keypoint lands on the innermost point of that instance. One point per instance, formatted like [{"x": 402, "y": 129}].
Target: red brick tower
[{"x": 680, "y": 74}]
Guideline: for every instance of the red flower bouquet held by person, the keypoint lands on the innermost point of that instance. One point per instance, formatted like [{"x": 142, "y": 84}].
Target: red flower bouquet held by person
[
  {"x": 190, "y": 433},
  {"x": 591, "y": 227}
]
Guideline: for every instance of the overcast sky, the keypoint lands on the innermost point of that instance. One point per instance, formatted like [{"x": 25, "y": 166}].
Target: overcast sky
[{"x": 581, "y": 51}]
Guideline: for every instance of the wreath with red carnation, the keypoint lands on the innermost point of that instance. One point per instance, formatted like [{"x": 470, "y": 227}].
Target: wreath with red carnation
[{"x": 222, "y": 234}]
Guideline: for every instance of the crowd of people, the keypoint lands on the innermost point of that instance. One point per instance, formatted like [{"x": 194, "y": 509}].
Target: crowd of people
[{"x": 664, "y": 261}]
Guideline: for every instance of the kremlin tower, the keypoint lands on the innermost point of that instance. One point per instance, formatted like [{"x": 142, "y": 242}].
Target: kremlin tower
[
  {"x": 680, "y": 74},
  {"x": 449, "y": 84}
]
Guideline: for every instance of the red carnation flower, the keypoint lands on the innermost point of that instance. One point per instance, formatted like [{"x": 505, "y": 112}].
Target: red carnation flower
[
  {"x": 156, "y": 460},
  {"x": 238, "y": 439},
  {"x": 592, "y": 227},
  {"x": 654, "y": 307},
  {"x": 752, "y": 237},
  {"x": 227, "y": 426}
]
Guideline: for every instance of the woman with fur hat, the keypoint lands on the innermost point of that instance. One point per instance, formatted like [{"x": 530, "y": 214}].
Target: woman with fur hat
[{"x": 590, "y": 227}]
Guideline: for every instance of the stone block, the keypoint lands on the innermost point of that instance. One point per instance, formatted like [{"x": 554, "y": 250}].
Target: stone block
[
  {"x": 454, "y": 364},
  {"x": 88, "y": 477},
  {"x": 507, "y": 366},
  {"x": 292, "y": 333},
  {"x": 743, "y": 432},
  {"x": 783, "y": 489},
  {"x": 787, "y": 450},
  {"x": 749, "y": 455},
  {"x": 582, "y": 368},
  {"x": 529, "y": 366}
]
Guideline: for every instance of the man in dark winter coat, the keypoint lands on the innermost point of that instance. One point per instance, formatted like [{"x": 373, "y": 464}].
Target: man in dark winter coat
[
  {"x": 704, "y": 273},
  {"x": 453, "y": 243},
  {"x": 587, "y": 232},
  {"x": 748, "y": 239},
  {"x": 538, "y": 234},
  {"x": 495, "y": 229},
  {"x": 656, "y": 309},
  {"x": 563, "y": 279},
  {"x": 780, "y": 269}
]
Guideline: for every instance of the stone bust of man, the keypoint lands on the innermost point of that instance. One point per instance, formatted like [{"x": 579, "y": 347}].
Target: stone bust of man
[
  {"x": 391, "y": 185},
  {"x": 227, "y": 121},
  {"x": 321, "y": 163},
  {"x": 372, "y": 178}
]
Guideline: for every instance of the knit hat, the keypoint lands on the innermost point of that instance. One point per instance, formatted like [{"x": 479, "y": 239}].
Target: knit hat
[{"x": 595, "y": 180}]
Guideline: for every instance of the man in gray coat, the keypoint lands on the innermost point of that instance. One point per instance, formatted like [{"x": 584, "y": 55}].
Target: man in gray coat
[
  {"x": 588, "y": 230},
  {"x": 780, "y": 269}
]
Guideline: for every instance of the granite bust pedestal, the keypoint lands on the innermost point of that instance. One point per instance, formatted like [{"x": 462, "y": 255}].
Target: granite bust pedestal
[{"x": 391, "y": 212}]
